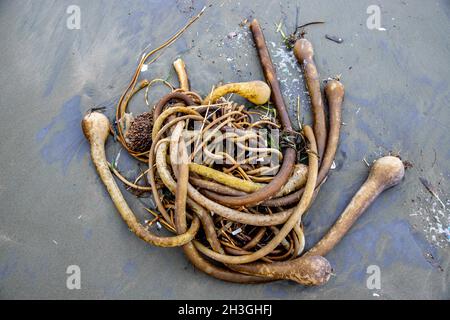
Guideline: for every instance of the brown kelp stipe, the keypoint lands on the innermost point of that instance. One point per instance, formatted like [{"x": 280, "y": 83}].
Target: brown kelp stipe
[
  {"x": 385, "y": 173},
  {"x": 304, "y": 52}
]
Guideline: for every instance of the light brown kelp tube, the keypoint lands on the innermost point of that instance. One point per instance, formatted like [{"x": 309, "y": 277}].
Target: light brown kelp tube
[
  {"x": 180, "y": 69},
  {"x": 257, "y": 92},
  {"x": 95, "y": 127},
  {"x": 171, "y": 96},
  {"x": 290, "y": 155},
  {"x": 304, "y": 52},
  {"x": 386, "y": 172},
  {"x": 334, "y": 92},
  {"x": 151, "y": 156}
]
